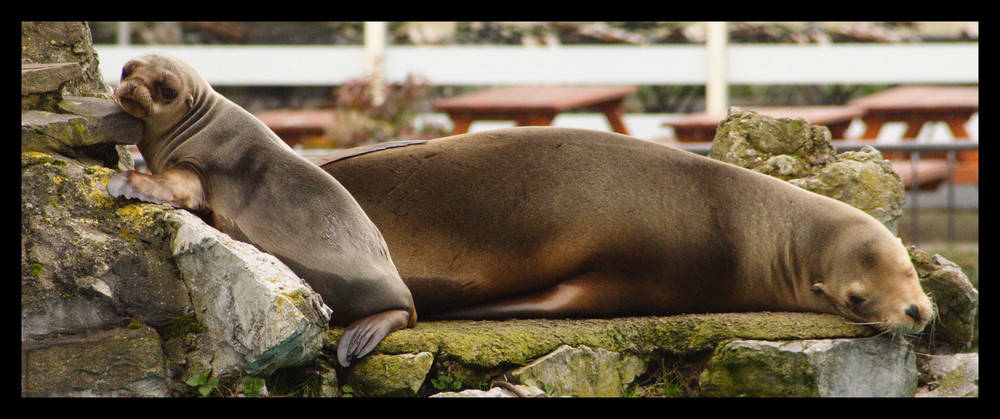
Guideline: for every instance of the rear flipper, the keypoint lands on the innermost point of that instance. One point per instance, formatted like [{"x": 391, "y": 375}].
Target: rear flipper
[
  {"x": 364, "y": 334},
  {"x": 592, "y": 294}
]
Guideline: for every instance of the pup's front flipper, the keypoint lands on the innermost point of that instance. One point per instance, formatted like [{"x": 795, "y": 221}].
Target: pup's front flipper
[
  {"x": 364, "y": 334},
  {"x": 178, "y": 187}
]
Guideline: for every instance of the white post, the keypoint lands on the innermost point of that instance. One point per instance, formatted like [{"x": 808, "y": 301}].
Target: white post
[
  {"x": 716, "y": 87},
  {"x": 123, "y": 33},
  {"x": 375, "y": 35}
]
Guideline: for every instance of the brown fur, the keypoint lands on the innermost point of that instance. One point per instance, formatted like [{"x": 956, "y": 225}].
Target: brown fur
[{"x": 551, "y": 222}]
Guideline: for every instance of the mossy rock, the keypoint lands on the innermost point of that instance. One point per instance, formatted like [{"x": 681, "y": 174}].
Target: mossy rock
[{"x": 478, "y": 351}]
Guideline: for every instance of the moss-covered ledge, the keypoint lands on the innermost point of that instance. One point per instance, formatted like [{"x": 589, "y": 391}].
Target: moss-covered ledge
[{"x": 485, "y": 345}]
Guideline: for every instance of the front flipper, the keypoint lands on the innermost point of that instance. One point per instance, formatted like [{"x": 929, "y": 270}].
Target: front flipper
[
  {"x": 178, "y": 187},
  {"x": 364, "y": 334}
]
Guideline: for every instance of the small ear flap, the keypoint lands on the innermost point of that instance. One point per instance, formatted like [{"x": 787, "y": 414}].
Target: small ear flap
[
  {"x": 817, "y": 287},
  {"x": 189, "y": 100}
]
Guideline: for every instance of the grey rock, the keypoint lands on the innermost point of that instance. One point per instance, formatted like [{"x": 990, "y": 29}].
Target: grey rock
[
  {"x": 955, "y": 299},
  {"x": 869, "y": 367},
  {"x": 103, "y": 363},
  {"x": 748, "y": 139},
  {"x": 582, "y": 372},
  {"x": 83, "y": 122},
  {"x": 260, "y": 316},
  {"x": 86, "y": 262},
  {"x": 65, "y": 42},
  {"x": 390, "y": 375},
  {"x": 955, "y": 375},
  {"x": 495, "y": 392},
  {"x": 800, "y": 153},
  {"x": 46, "y": 78},
  {"x": 864, "y": 180}
]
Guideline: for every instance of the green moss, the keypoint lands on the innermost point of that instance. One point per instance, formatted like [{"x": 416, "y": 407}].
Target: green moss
[
  {"x": 134, "y": 323},
  {"x": 141, "y": 220},
  {"x": 184, "y": 325},
  {"x": 390, "y": 375},
  {"x": 471, "y": 350},
  {"x": 30, "y": 158},
  {"x": 734, "y": 371}
]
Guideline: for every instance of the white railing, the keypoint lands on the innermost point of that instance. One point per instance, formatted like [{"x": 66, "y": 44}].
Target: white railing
[{"x": 939, "y": 63}]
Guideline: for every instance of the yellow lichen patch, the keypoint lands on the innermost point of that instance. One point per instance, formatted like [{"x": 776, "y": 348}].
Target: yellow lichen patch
[
  {"x": 99, "y": 196},
  {"x": 138, "y": 217},
  {"x": 33, "y": 155},
  {"x": 99, "y": 185},
  {"x": 294, "y": 297},
  {"x": 29, "y": 158}
]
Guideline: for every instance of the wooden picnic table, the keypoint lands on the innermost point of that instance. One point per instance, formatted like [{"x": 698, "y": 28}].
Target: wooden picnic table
[
  {"x": 700, "y": 127},
  {"x": 534, "y": 105},
  {"x": 918, "y": 105}
]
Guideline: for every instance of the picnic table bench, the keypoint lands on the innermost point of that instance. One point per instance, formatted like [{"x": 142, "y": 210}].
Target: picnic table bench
[
  {"x": 918, "y": 105},
  {"x": 700, "y": 127},
  {"x": 533, "y": 105},
  {"x": 297, "y": 125}
]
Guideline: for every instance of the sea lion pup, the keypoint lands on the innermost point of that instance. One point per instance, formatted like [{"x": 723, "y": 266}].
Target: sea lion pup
[
  {"x": 552, "y": 222},
  {"x": 212, "y": 157}
]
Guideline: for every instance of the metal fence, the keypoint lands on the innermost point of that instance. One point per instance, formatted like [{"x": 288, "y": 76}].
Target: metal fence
[{"x": 915, "y": 151}]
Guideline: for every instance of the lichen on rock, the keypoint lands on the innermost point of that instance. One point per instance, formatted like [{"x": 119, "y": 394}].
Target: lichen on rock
[
  {"x": 748, "y": 139},
  {"x": 955, "y": 299},
  {"x": 800, "y": 153}
]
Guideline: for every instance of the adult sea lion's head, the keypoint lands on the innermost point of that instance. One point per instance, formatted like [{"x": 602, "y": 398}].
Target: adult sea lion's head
[{"x": 869, "y": 278}]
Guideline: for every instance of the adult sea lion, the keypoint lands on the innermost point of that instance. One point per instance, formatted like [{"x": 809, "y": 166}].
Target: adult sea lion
[
  {"x": 212, "y": 157},
  {"x": 550, "y": 222}
]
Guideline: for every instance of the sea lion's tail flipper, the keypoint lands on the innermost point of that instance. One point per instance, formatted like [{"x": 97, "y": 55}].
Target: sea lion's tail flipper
[
  {"x": 357, "y": 151},
  {"x": 364, "y": 334}
]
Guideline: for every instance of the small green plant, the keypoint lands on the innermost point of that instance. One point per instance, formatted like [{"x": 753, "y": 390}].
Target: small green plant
[
  {"x": 669, "y": 382},
  {"x": 252, "y": 386},
  {"x": 204, "y": 384},
  {"x": 546, "y": 387},
  {"x": 346, "y": 391},
  {"x": 446, "y": 383}
]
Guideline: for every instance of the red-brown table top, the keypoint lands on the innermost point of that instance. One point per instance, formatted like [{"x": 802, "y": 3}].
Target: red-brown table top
[
  {"x": 534, "y": 98},
  {"x": 921, "y": 98},
  {"x": 818, "y": 115}
]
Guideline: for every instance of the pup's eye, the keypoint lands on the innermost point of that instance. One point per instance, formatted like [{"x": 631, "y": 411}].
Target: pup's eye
[
  {"x": 167, "y": 92},
  {"x": 125, "y": 73},
  {"x": 856, "y": 301}
]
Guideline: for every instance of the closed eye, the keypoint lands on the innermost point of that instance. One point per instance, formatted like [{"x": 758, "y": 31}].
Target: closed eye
[{"x": 167, "y": 92}]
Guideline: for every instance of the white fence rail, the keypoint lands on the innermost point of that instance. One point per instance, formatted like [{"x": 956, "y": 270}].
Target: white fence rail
[{"x": 571, "y": 64}]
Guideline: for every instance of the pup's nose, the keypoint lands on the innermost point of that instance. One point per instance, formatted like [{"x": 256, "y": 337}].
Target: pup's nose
[{"x": 132, "y": 85}]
